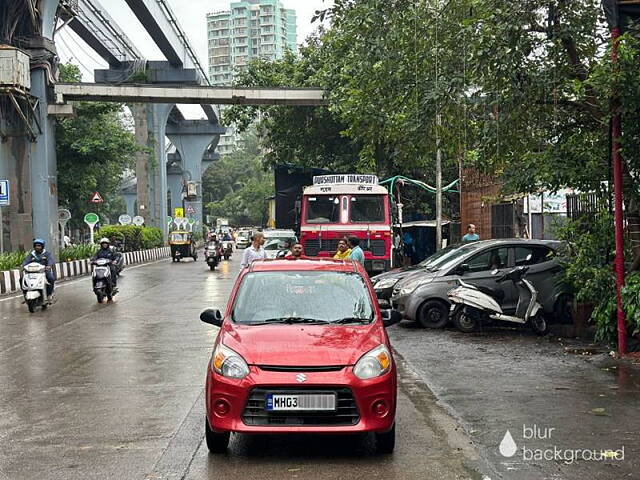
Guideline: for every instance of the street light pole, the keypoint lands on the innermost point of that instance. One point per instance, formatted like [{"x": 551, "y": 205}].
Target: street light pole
[{"x": 438, "y": 184}]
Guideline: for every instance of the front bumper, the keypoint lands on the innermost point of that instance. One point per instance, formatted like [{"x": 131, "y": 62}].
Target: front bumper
[
  {"x": 236, "y": 394},
  {"x": 407, "y": 305}
]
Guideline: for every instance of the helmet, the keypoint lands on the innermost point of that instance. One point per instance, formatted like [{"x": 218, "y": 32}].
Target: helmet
[
  {"x": 38, "y": 241},
  {"x": 105, "y": 240}
]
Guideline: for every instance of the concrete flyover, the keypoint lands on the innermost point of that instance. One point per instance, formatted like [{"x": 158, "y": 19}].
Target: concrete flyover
[{"x": 195, "y": 94}]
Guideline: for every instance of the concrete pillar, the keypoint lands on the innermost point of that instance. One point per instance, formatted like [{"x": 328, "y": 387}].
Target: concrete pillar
[
  {"x": 130, "y": 199},
  {"x": 15, "y": 152},
  {"x": 192, "y": 138},
  {"x": 174, "y": 181},
  {"x": 158, "y": 124}
]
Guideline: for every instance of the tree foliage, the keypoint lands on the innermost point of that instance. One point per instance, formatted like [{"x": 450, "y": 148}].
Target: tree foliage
[{"x": 93, "y": 150}]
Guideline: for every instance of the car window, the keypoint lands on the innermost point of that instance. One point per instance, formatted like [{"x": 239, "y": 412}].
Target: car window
[
  {"x": 326, "y": 296},
  {"x": 538, "y": 254},
  {"x": 489, "y": 260},
  {"x": 279, "y": 243}
]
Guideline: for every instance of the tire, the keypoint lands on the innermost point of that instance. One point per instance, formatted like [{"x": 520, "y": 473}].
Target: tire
[
  {"x": 433, "y": 314},
  {"x": 212, "y": 267},
  {"x": 99, "y": 297},
  {"x": 31, "y": 305},
  {"x": 216, "y": 442},
  {"x": 539, "y": 324},
  {"x": 466, "y": 323},
  {"x": 386, "y": 442}
]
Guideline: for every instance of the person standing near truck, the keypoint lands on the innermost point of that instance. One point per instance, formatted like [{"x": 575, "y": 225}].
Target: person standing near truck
[{"x": 357, "y": 253}]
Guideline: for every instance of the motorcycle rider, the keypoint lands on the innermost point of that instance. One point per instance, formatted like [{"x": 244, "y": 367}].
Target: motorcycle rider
[
  {"x": 41, "y": 255},
  {"x": 106, "y": 252}
]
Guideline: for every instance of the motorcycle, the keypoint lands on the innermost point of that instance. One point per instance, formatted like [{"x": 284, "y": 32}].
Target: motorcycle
[
  {"x": 212, "y": 255},
  {"x": 475, "y": 305},
  {"x": 227, "y": 249},
  {"x": 119, "y": 260},
  {"x": 102, "y": 283},
  {"x": 34, "y": 286}
]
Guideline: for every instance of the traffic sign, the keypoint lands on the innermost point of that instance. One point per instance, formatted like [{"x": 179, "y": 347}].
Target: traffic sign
[
  {"x": 91, "y": 219},
  {"x": 125, "y": 219},
  {"x": 96, "y": 198},
  {"x": 191, "y": 221},
  {"x": 179, "y": 212},
  {"x": 190, "y": 210},
  {"x": 138, "y": 221},
  {"x": 4, "y": 193},
  {"x": 64, "y": 215},
  {"x": 169, "y": 220}
]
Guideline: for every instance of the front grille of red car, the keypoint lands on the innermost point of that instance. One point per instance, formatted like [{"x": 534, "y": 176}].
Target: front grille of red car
[
  {"x": 286, "y": 368},
  {"x": 255, "y": 413}
]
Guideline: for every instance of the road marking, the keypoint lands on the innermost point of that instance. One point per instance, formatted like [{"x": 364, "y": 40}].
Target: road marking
[{"x": 82, "y": 278}]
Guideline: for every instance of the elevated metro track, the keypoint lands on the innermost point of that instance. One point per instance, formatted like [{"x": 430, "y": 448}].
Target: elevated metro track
[{"x": 66, "y": 92}]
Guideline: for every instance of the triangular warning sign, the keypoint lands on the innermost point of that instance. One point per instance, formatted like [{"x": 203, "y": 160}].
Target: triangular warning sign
[
  {"x": 96, "y": 198},
  {"x": 191, "y": 210}
]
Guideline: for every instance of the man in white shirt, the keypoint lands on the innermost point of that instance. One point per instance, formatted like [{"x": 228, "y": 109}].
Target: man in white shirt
[{"x": 255, "y": 251}]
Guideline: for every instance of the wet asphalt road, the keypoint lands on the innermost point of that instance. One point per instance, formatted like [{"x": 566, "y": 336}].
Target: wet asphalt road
[{"x": 115, "y": 391}]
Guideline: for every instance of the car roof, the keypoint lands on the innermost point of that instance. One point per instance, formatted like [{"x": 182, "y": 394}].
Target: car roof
[
  {"x": 305, "y": 264},
  {"x": 278, "y": 233},
  {"x": 504, "y": 241}
]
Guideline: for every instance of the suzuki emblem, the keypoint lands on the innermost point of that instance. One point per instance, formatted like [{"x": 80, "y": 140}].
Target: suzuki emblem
[{"x": 301, "y": 377}]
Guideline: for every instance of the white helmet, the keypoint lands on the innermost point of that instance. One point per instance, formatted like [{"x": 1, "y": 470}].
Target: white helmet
[{"x": 105, "y": 240}]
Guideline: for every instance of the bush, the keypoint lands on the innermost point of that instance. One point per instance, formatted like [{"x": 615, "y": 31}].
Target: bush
[
  {"x": 11, "y": 260},
  {"x": 135, "y": 238},
  {"x": 77, "y": 252}
]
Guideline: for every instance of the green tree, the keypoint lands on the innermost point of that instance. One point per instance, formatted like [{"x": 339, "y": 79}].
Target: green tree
[{"x": 93, "y": 149}]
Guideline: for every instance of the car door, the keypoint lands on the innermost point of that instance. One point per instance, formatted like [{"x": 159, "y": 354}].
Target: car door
[
  {"x": 482, "y": 271},
  {"x": 543, "y": 272}
]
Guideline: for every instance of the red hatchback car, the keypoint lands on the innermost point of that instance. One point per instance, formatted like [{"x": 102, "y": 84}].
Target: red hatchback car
[{"x": 302, "y": 348}]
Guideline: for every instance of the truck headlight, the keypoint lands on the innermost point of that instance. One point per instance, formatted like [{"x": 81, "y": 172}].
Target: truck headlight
[
  {"x": 228, "y": 363},
  {"x": 374, "y": 363}
]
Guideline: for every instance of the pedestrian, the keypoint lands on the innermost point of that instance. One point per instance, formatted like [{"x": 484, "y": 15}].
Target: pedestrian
[
  {"x": 296, "y": 253},
  {"x": 41, "y": 255},
  {"x": 343, "y": 249},
  {"x": 255, "y": 251},
  {"x": 408, "y": 249},
  {"x": 471, "y": 235},
  {"x": 356, "y": 252}
]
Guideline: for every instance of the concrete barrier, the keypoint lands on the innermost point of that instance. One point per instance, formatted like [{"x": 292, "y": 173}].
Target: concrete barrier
[{"x": 10, "y": 279}]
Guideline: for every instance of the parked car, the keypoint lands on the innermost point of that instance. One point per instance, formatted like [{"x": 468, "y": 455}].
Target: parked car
[
  {"x": 302, "y": 348},
  {"x": 422, "y": 294},
  {"x": 276, "y": 240}
]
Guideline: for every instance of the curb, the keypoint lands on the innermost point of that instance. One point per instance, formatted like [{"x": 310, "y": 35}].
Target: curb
[{"x": 10, "y": 279}]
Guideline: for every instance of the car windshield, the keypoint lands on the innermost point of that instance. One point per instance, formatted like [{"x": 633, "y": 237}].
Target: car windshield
[
  {"x": 323, "y": 209},
  {"x": 449, "y": 254},
  {"x": 290, "y": 296},
  {"x": 278, "y": 243},
  {"x": 367, "y": 208}
]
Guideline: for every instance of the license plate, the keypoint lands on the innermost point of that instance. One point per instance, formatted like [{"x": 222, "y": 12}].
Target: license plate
[{"x": 315, "y": 402}]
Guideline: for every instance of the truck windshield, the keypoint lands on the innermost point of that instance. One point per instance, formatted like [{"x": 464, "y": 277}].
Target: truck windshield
[
  {"x": 323, "y": 209},
  {"x": 311, "y": 296},
  {"x": 367, "y": 208}
]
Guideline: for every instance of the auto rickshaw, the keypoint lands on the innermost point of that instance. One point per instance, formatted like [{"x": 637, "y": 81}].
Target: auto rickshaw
[{"x": 182, "y": 245}]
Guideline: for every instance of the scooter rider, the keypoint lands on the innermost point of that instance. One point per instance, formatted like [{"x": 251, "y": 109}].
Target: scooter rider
[
  {"x": 106, "y": 252},
  {"x": 41, "y": 255}
]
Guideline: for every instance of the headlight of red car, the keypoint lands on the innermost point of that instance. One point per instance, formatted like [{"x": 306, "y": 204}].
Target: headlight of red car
[
  {"x": 374, "y": 363},
  {"x": 228, "y": 363}
]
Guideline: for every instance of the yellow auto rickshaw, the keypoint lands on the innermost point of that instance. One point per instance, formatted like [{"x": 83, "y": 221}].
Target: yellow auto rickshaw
[{"x": 182, "y": 245}]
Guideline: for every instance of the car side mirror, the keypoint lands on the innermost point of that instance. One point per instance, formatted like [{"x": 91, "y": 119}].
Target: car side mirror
[
  {"x": 384, "y": 304},
  {"x": 212, "y": 317},
  {"x": 390, "y": 317},
  {"x": 464, "y": 267}
]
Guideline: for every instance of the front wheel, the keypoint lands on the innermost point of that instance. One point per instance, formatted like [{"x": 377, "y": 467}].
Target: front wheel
[
  {"x": 31, "y": 305},
  {"x": 466, "y": 322},
  {"x": 216, "y": 442},
  {"x": 386, "y": 442},
  {"x": 433, "y": 314},
  {"x": 212, "y": 266},
  {"x": 99, "y": 297},
  {"x": 539, "y": 324}
]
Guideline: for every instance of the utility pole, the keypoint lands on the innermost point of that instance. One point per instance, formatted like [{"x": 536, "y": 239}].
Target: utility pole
[{"x": 438, "y": 184}]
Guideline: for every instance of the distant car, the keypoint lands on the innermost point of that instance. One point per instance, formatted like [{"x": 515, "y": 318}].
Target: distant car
[
  {"x": 243, "y": 239},
  {"x": 421, "y": 294},
  {"x": 302, "y": 348},
  {"x": 276, "y": 240}
]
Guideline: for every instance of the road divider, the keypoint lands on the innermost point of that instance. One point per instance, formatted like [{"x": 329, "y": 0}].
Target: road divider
[{"x": 10, "y": 279}]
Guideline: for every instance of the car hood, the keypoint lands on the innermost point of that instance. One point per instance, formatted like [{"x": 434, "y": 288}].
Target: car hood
[
  {"x": 398, "y": 273},
  {"x": 302, "y": 345},
  {"x": 424, "y": 275}
]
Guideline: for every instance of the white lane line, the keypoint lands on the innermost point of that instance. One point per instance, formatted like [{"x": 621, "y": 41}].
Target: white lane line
[{"x": 83, "y": 277}]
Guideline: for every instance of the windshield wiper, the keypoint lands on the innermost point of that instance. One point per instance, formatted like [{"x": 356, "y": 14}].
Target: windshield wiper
[
  {"x": 291, "y": 320},
  {"x": 352, "y": 320}
]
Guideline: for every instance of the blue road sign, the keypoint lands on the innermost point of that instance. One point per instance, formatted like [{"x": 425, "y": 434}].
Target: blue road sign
[{"x": 4, "y": 193}]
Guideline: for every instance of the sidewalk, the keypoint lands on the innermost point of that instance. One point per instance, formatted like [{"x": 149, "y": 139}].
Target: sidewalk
[{"x": 503, "y": 380}]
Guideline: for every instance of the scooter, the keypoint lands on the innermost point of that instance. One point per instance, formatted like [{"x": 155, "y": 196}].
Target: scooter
[
  {"x": 227, "y": 249},
  {"x": 212, "y": 255},
  {"x": 119, "y": 260},
  {"x": 34, "y": 286},
  {"x": 474, "y": 305},
  {"x": 102, "y": 283}
]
